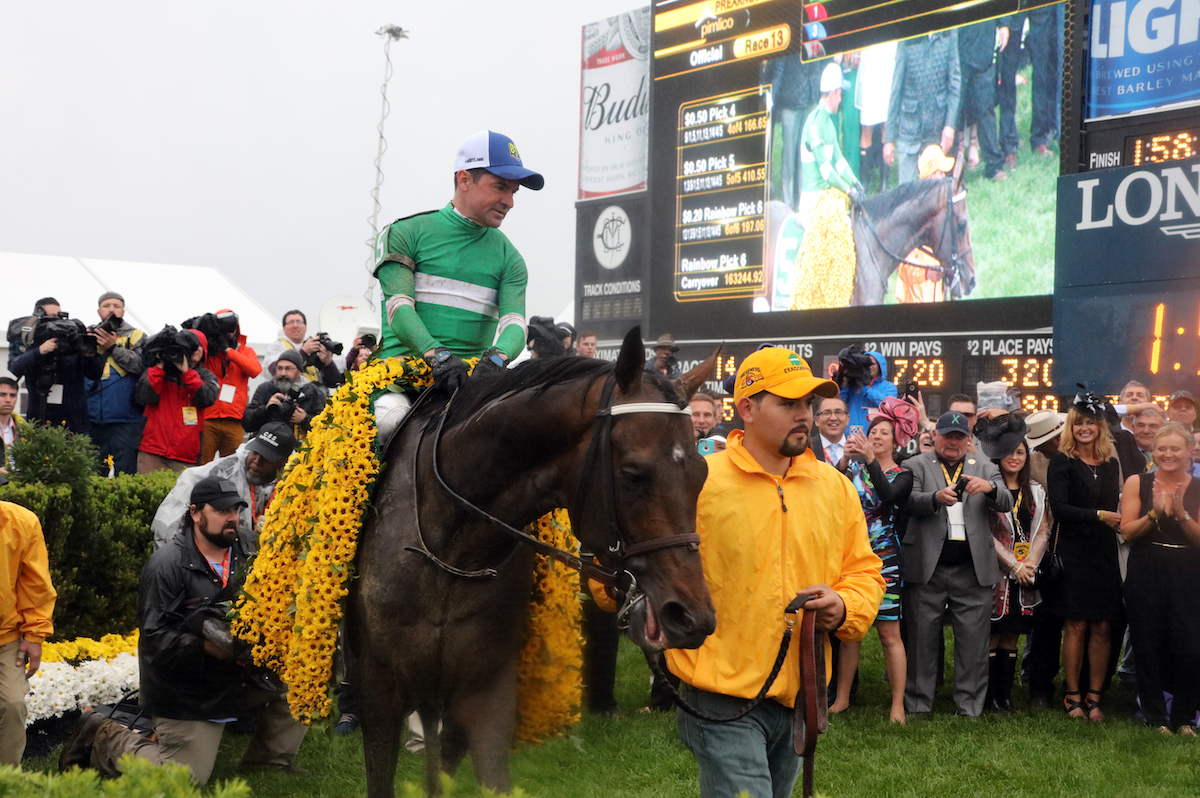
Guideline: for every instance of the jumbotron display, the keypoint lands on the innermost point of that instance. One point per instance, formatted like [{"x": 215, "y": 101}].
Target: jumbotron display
[{"x": 752, "y": 166}]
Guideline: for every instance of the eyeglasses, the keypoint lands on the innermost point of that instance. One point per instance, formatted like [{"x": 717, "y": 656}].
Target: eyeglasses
[{"x": 837, "y": 413}]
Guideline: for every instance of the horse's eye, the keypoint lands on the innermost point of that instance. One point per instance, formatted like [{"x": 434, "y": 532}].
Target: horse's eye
[{"x": 631, "y": 477}]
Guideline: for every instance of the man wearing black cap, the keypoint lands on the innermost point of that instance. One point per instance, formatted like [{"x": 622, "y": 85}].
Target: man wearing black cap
[
  {"x": 289, "y": 389},
  {"x": 949, "y": 565},
  {"x": 453, "y": 284},
  {"x": 252, "y": 468},
  {"x": 194, "y": 675}
]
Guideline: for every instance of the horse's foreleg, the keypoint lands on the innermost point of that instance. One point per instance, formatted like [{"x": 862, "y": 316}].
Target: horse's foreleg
[
  {"x": 382, "y": 716},
  {"x": 489, "y": 717}
]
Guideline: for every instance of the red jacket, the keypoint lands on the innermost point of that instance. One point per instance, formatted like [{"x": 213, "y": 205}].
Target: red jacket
[
  {"x": 235, "y": 367},
  {"x": 166, "y": 433}
]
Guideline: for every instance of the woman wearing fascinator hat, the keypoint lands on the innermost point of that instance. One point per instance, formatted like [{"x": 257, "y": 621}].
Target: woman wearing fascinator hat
[
  {"x": 1085, "y": 491},
  {"x": 1020, "y": 536},
  {"x": 883, "y": 488}
]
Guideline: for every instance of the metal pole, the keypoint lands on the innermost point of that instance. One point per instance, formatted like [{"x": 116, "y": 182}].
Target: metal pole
[{"x": 390, "y": 33}]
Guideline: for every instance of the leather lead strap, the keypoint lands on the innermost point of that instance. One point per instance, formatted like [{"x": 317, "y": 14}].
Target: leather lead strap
[{"x": 812, "y": 700}]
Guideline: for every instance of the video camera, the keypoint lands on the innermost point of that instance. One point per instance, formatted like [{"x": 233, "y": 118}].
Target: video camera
[
  {"x": 220, "y": 329},
  {"x": 169, "y": 346},
  {"x": 334, "y": 347},
  {"x": 70, "y": 333},
  {"x": 854, "y": 366}
]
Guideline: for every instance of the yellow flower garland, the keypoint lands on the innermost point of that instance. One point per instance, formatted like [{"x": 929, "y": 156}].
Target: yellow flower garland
[
  {"x": 292, "y": 601},
  {"x": 549, "y": 683},
  {"x": 85, "y": 648}
]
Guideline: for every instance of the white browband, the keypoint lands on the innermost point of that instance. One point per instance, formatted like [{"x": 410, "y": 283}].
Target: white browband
[{"x": 649, "y": 407}]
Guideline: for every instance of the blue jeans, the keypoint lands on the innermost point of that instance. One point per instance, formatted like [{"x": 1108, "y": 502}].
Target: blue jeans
[{"x": 755, "y": 753}]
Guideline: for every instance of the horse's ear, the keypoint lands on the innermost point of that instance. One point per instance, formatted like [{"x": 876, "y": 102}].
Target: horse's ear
[
  {"x": 631, "y": 361},
  {"x": 689, "y": 383}
]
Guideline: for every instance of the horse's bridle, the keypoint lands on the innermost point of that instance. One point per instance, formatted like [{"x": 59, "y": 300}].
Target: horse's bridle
[
  {"x": 950, "y": 274},
  {"x": 600, "y": 450}
]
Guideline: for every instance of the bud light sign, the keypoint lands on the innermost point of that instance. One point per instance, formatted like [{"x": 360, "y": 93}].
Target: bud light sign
[{"x": 1143, "y": 55}]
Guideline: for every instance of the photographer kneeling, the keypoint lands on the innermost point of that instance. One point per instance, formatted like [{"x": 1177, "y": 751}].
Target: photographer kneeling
[
  {"x": 290, "y": 398},
  {"x": 195, "y": 676}
]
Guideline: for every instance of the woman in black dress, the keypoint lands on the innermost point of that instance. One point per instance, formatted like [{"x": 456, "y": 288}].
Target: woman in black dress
[
  {"x": 1084, "y": 485},
  {"x": 1158, "y": 517}
]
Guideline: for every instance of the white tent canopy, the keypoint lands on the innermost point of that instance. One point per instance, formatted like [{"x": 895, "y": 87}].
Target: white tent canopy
[{"x": 155, "y": 293}]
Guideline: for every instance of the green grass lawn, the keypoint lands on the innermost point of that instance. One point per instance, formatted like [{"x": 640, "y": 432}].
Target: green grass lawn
[{"x": 1030, "y": 754}]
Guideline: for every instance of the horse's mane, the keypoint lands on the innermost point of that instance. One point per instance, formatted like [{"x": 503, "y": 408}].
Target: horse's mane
[
  {"x": 535, "y": 376},
  {"x": 885, "y": 203}
]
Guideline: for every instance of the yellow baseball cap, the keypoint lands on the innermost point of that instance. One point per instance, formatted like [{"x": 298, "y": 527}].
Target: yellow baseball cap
[
  {"x": 933, "y": 160},
  {"x": 781, "y": 372}
]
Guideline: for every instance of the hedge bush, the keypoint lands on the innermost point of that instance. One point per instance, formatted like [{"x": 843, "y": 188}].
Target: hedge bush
[
  {"x": 97, "y": 530},
  {"x": 138, "y": 779}
]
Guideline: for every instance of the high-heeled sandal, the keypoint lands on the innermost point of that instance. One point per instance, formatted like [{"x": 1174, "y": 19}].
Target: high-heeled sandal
[
  {"x": 1095, "y": 715},
  {"x": 1073, "y": 706}
]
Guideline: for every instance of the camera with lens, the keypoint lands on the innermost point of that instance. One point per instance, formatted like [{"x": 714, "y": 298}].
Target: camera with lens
[
  {"x": 332, "y": 346},
  {"x": 111, "y": 325},
  {"x": 854, "y": 366},
  {"x": 368, "y": 341},
  {"x": 283, "y": 411},
  {"x": 168, "y": 347}
]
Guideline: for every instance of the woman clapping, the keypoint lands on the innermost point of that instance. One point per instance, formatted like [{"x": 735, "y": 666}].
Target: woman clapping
[
  {"x": 1158, "y": 518},
  {"x": 883, "y": 489}
]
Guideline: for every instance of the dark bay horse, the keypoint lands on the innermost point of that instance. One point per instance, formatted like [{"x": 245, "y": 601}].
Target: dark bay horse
[
  {"x": 438, "y": 615},
  {"x": 890, "y": 225}
]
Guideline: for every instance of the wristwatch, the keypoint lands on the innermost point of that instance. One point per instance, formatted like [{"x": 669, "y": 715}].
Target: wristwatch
[
  {"x": 441, "y": 355},
  {"x": 1186, "y": 516}
]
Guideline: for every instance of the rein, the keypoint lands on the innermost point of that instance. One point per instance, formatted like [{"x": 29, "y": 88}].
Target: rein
[
  {"x": 811, "y": 716},
  {"x": 953, "y": 268},
  {"x": 600, "y": 450}
]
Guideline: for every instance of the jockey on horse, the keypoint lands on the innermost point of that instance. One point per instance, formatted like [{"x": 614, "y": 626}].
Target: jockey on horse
[
  {"x": 452, "y": 282},
  {"x": 825, "y": 273}
]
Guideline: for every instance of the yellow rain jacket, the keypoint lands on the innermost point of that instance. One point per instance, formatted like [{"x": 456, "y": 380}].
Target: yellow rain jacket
[
  {"x": 26, "y": 596},
  {"x": 757, "y": 556}
]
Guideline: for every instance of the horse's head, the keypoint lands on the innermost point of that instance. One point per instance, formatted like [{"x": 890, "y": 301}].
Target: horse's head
[{"x": 657, "y": 475}]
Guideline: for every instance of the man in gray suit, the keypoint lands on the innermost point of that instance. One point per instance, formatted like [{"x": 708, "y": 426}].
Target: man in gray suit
[{"x": 949, "y": 565}]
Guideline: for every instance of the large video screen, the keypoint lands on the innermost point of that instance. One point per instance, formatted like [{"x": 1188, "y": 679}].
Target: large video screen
[{"x": 754, "y": 168}]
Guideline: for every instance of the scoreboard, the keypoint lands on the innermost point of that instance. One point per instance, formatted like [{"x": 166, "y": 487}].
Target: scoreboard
[{"x": 936, "y": 365}]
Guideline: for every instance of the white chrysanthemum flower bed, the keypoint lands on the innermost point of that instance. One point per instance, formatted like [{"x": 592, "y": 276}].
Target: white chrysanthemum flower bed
[{"x": 59, "y": 687}]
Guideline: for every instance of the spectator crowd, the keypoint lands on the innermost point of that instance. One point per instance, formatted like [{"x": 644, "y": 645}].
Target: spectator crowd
[{"x": 169, "y": 400}]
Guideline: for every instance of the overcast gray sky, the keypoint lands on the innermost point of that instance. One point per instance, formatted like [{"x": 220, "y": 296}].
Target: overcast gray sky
[{"x": 242, "y": 135}]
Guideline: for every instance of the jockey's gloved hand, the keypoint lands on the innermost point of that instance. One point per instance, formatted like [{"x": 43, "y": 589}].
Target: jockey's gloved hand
[
  {"x": 491, "y": 363},
  {"x": 449, "y": 373},
  {"x": 857, "y": 194}
]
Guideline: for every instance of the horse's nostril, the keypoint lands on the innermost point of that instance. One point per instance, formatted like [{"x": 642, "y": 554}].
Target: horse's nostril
[{"x": 677, "y": 617}]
